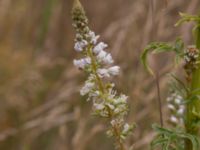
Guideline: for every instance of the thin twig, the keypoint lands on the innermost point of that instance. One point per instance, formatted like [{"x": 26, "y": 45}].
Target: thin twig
[
  {"x": 157, "y": 74},
  {"x": 152, "y": 9},
  {"x": 152, "y": 19},
  {"x": 159, "y": 99}
]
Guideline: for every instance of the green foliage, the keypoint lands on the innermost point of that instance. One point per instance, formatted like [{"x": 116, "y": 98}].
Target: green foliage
[
  {"x": 159, "y": 47},
  {"x": 187, "y": 18},
  {"x": 179, "y": 86},
  {"x": 196, "y": 29},
  {"x": 180, "y": 138},
  {"x": 173, "y": 139}
]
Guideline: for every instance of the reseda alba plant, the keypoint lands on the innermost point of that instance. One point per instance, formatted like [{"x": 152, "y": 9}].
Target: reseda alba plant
[
  {"x": 184, "y": 101},
  {"x": 98, "y": 65}
]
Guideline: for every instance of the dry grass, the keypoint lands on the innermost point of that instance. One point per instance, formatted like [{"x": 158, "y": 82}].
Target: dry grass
[{"x": 40, "y": 107}]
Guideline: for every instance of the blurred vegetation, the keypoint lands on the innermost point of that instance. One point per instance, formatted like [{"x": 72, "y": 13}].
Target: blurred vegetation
[{"x": 40, "y": 106}]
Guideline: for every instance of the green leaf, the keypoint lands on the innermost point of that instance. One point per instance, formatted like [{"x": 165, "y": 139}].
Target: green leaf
[
  {"x": 161, "y": 47},
  {"x": 196, "y": 29},
  {"x": 168, "y": 138},
  {"x": 187, "y": 18}
]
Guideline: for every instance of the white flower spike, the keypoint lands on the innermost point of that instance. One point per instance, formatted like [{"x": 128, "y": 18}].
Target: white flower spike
[{"x": 97, "y": 63}]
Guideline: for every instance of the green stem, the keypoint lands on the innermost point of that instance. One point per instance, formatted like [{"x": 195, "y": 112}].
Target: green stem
[
  {"x": 193, "y": 107},
  {"x": 94, "y": 69}
]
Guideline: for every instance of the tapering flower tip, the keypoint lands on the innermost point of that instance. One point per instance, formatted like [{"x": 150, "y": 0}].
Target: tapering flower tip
[
  {"x": 79, "y": 17},
  {"x": 77, "y": 6}
]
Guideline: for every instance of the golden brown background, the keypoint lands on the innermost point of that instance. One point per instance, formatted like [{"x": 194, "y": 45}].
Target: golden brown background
[{"x": 40, "y": 106}]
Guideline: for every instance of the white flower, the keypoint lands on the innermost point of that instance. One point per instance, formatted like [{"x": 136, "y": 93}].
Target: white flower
[
  {"x": 103, "y": 73},
  {"x": 126, "y": 127},
  {"x": 106, "y": 102},
  {"x": 102, "y": 54},
  {"x": 171, "y": 107},
  {"x": 181, "y": 111},
  {"x": 117, "y": 110},
  {"x": 113, "y": 122},
  {"x": 169, "y": 99},
  {"x": 173, "y": 119},
  {"x": 87, "y": 88},
  {"x": 121, "y": 99},
  {"x": 93, "y": 37},
  {"x": 80, "y": 45},
  {"x": 112, "y": 93},
  {"x": 177, "y": 100},
  {"x": 103, "y": 114},
  {"x": 122, "y": 109},
  {"x": 99, "y": 47},
  {"x": 99, "y": 106},
  {"x": 78, "y": 36},
  {"x": 108, "y": 72},
  {"x": 114, "y": 70},
  {"x": 81, "y": 63},
  {"x": 111, "y": 106},
  {"x": 94, "y": 94},
  {"x": 108, "y": 59},
  {"x": 105, "y": 57},
  {"x": 187, "y": 59}
]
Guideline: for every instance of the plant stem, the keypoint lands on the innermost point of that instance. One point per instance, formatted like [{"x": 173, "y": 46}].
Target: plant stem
[
  {"x": 193, "y": 105},
  {"x": 159, "y": 99},
  {"x": 101, "y": 86},
  {"x": 94, "y": 68}
]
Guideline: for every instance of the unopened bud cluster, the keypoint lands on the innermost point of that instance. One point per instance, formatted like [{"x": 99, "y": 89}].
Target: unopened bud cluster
[
  {"x": 99, "y": 65},
  {"x": 177, "y": 109},
  {"x": 191, "y": 56}
]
